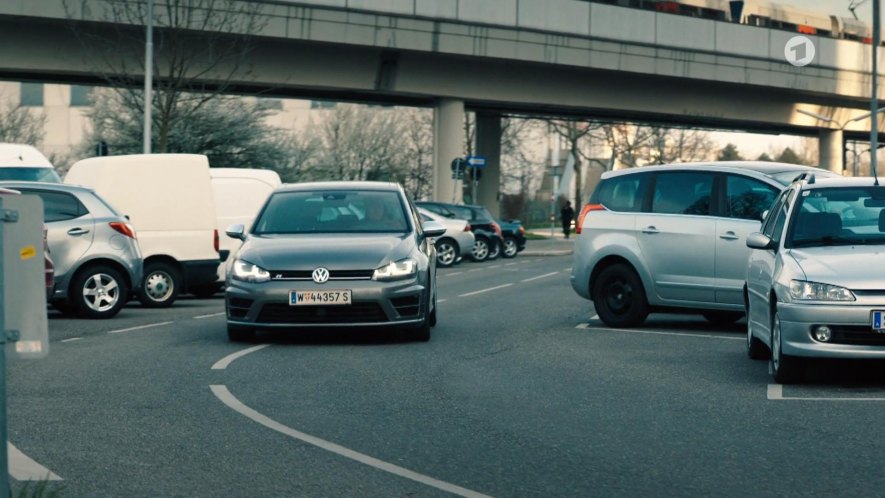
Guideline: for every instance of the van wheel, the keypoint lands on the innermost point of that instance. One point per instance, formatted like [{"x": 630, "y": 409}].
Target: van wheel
[
  {"x": 98, "y": 292},
  {"x": 619, "y": 297},
  {"x": 161, "y": 285}
]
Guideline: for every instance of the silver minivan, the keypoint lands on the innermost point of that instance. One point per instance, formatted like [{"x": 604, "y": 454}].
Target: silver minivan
[
  {"x": 98, "y": 263},
  {"x": 673, "y": 238}
]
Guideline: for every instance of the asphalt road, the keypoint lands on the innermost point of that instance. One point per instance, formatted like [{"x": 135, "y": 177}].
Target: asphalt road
[{"x": 520, "y": 392}]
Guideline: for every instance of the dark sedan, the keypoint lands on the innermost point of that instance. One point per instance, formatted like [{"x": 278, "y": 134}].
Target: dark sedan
[
  {"x": 489, "y": 241},
  {"x": 334, "y": 254}
]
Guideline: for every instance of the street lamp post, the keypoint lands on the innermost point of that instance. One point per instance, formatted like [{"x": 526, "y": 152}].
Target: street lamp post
[
  {"x": 148, "y": 75},
  {"x": 555, "y": 173},
  {"x": 874, "y": 101}
]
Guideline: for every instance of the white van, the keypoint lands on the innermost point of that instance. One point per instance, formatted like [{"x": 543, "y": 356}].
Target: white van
[
  {"x": 239, "y": 195},
  {"x": 169, "y": 200},
  {"x": 24, "y": 163}
]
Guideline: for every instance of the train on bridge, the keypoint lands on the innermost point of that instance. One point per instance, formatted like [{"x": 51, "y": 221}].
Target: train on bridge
[{"x": 760, "y": 13}]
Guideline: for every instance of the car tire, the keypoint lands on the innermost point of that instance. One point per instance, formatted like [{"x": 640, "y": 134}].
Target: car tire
[
  {"x": 756, "y": 349},
  {"x": 495, "y": 251},
  {"x": 481, "y": 249},
  {"x": 619, "y": 297},
  {"x": 238, "y": 333},
  {"x": 65, "y": 307},
  {"x": 161, "y": 285},
  {"x": 98, "y": 292},
  {"x": 205, "y": 291},
  {"x": 511, "y": 248},
  {"x": 723, "y": 317},
  {"x": 784, "y": 368},
  {"x": 447, "y": 252}
]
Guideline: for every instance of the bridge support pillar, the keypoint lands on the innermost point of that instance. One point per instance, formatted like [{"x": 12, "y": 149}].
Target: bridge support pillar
[
  {"x": 488, "y": 144},
  {"x": 831, "y": 150},
  {"x": 448, "y": 144}
]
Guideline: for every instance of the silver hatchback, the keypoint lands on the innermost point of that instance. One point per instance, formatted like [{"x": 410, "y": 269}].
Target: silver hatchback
[
  {"x": 97, "y": 260},
  {"x": 816, "y": 276},
  {"x": 672, "y": 238}
]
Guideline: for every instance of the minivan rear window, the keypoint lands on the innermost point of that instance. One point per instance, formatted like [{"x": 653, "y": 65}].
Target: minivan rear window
[{"x": 622, "y": 193}]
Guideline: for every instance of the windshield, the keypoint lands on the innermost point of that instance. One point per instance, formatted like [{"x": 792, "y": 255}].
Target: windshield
[
  {"x": 332, "y": 212},
  {"x": 839, "y": 216},
  {"x": 47, "y": 175}
]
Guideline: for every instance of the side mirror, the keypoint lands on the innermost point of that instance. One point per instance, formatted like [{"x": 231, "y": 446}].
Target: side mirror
[
  {"x": 433, "y": 229},
  {"x": 758, "y": 240},
  {"x": 237, "y": 231}
]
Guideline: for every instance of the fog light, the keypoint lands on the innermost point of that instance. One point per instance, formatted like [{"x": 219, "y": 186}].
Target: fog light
[{"x": 822, "y": 333}]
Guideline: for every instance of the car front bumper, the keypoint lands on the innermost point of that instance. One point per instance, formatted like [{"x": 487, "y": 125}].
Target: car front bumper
[
  {"x": 853, "y": 335},
  {"x": 374, "y": 304}
]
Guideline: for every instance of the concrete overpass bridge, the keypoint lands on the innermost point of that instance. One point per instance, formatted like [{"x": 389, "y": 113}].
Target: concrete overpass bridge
[{"x": 556, "y": 57}]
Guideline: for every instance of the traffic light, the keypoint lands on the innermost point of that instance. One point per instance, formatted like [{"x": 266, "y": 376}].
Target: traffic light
[{"x": 101, "y": 149}]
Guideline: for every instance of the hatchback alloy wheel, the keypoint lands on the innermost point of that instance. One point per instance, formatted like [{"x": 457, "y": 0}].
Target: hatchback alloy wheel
[
  {"x": 480, "y": 249},
  {"x": 101, "y": 292},
  {"x": 510, "y": 247},
  {"x": 446, "y": 253}
]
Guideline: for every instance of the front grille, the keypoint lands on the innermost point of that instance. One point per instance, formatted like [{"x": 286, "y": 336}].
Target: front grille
[
  {"x": 355, "y": 313},
  {"x": 238, "y": 307},
  {"x": 407, "y": 306},
  {"x": 333, "y": 275},
  {"x": 856, "y": 335}
]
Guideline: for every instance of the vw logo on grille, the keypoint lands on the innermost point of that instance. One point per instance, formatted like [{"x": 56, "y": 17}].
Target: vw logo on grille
[{"x": 320, "y": 275}]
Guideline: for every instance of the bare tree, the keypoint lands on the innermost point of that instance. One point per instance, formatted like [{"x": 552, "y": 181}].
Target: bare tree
[
  {"x": 199, "y": 45},
  {"x": 21, "y": 125},
  {"x": 418, "y": 135}
]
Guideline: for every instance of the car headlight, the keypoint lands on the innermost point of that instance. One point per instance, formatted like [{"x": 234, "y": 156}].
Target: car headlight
[
  {"x": 813, "y": 291},
  {"x": 247, "y": 272},
  {"x": 396, "y": 270}
]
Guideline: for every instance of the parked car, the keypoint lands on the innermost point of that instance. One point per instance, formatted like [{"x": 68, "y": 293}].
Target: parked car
[
  {"x": 96, "y": 255},
  {"x": 672, "y": 238},
  {"x": 239, "y": 194},
  {"x": 815, "y": 275},
  {"x": 488, "y": 237},
  {"x": 24, "y": 163},
  {"x": 451, "y": 245},
  {"x": 334, "y": 254},
  {"x": 48, "y": 265},
  {"x": 170, "y": 200},
  {"x": 514, "y": 237}
]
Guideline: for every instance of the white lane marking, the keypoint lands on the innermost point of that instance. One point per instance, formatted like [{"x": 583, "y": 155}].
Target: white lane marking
[
  {"x": 210, "y": 315},
  {"x": 475, "y": 269},
  {"x": 493, "y": 267},
  {"x": 582, "y": 326},
  {"x": 776, "y": 393},
  {"x": 661, "y": 332},
  {"x": 227, "y": 360},
  {"x": 140, "y": 327},
  {"x": 441, "y": 300},
  {"x": 72, "y": 339},
  {"x": 541, "y": 276},
  {"x": 509, "y": 264},
  {"x": 23, "y": 468},
  {"x": 453, "y": 273},
  {"x": 484, "y": 290},
  {"x": 594, "y": 317},
  {"x": 222, "y": 393}
]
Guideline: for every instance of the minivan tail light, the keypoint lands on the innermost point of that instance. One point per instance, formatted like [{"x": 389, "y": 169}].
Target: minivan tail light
[
  {"x": 124, "y": 228},
  {"x": 587, "y": 208},
  {"x": 216, "y": 242}
]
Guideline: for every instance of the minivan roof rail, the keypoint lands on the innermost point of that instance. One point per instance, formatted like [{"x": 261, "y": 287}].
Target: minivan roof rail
[{"x": 805, "y": 176}]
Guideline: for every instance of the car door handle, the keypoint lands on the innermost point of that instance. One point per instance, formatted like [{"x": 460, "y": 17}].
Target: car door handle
[
  {"x": 650, "y": 229},
  {"x": 78, "y": 231},
  {"x": 729, "y": 235}
]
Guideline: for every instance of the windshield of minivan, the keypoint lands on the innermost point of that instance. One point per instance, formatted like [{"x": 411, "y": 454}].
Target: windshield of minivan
[
  {"x": 839, "y": 216},
  {"x": 26, "y": 174},
  {"x": 332, "y": 212}
]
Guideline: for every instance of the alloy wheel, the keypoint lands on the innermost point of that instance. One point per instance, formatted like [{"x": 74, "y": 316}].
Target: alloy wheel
[{"x": 101, "y": 292}]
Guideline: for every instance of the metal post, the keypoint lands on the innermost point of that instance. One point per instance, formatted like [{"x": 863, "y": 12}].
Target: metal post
[
  {"x": 4, "y": 436},
  {"x": 874, "y": 104},
  {"x": 148, "y": 76}
]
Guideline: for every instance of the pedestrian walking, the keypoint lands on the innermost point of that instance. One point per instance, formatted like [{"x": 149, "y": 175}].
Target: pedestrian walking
[{"x": 567, "y": 214}]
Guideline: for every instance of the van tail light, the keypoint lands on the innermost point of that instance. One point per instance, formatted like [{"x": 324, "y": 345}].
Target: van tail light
[
  {"x": 467, "y": 227},
  {"x": 124, "y": 228},
  {"x": 587, "y": 208},
  {"x": 216, "y": 242}
]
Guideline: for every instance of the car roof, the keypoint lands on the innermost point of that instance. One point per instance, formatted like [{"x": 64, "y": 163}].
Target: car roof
[
  {"x": 763, "y": 167},
  {"x": 56, "y": 187},
  {"x": 343, "y": 185}
]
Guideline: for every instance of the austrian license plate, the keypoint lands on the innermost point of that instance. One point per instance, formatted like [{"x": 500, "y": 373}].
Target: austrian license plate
[
  {"x": 333, "y": 297},
  {"x": 878, "y": 320}
]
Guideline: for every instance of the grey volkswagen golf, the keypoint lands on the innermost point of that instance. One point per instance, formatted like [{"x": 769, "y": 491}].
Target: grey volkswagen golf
[{"x": 333, "y": 254}]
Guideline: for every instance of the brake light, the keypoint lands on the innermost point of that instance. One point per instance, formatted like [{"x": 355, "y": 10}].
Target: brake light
[
  {"x": 467, "y": 227},
  {"x": 496, "y": 228},
  {"x": 124, "y": 228},
  {"x": 588, "y": 208},
  {"x": 216, "y": 242},
  {"x": 521, "y": 230}
]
